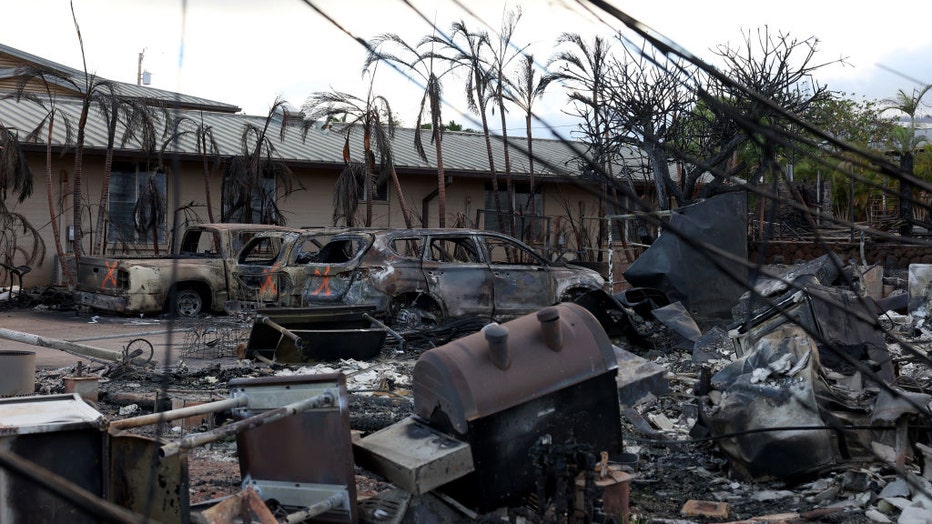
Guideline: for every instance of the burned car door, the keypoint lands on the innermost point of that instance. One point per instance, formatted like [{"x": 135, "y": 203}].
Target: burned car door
[
  {"x": 457, "y": 274},
  {"x": 521, "y": 280},
  {"x": 333, "y": 274},
  {"x": 261, "y": 273}
]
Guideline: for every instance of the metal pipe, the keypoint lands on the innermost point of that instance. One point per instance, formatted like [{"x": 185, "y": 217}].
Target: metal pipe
[
  {"x": 497, "y": 337},
  {"x": 299, "y": 344},
  {"x": 392, "y": 332},
  {"x": 124, "y": 335},
  {"x": 62, "y": 345},
  {"x": 192, "y": 441},
  {"x": 549, "y": 319},
  {"x": 337, "y": 500},
  {"x": 165, "y": 416}
]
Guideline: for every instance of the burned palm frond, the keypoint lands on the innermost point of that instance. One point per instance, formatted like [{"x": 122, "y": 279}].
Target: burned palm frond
[
  {"x": 149, "y": 211},
  {"x": 15, "y": 174},
  {"x": 350, "y": 183}
]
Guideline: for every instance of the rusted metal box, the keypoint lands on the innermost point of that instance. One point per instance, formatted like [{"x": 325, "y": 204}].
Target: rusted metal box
[
  {"x": 62, "y": 434},
  {"x": 549, "y": 375},
  {"x": 304, "y": 458}
]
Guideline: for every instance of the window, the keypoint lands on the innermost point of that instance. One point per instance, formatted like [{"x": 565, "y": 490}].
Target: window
[
  {"x": 128, "y": 186},
  {"x": 249, "y": 203},
  {"x": 521, "y": 205},
  {"x": 379, "y": 195}
]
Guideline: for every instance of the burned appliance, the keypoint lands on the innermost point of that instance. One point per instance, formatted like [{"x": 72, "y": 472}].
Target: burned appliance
[
  {"x": 62, "y": 435},
  {"x": 545, "y": 377}
]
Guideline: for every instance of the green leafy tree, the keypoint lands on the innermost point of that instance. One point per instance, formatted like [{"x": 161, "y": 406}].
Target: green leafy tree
[{"x": 905, "y": 143}]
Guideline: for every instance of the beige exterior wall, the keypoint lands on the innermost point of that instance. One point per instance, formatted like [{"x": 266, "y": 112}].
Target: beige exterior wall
[{"x": 306, "y": 208}]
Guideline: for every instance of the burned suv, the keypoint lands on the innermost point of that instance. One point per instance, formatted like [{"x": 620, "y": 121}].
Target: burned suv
[{"x": 418, "y": 276}]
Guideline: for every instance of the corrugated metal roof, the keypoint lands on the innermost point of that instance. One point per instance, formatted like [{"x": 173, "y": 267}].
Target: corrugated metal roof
[
  {"x": 167, "y": 98},
  {"x": 463, "y": 153}
]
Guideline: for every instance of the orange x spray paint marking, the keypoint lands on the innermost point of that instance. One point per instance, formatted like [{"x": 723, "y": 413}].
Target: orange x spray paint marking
[
  {"x": 324, "y": 287},
  {"x": 268, "y": 285},
  {"x": 111, "y": 275}
]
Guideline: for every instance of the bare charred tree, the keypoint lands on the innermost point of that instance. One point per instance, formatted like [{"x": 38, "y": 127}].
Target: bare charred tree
[
  {"x": 646, "y": 98},
  {"x": 771, "y": 74}
]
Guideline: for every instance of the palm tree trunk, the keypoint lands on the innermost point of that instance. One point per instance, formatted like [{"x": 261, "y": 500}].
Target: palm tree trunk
[
  {"x": 206, "y": 171},
  {"x": 103, "y": 209},
  {"x": 441, "y": 185},
  {"x": 53, "y": 216},
  {"x": 78, "y": 166},
  {"x": 396, "y": 185},
  {"x": 508, "y": 182}
]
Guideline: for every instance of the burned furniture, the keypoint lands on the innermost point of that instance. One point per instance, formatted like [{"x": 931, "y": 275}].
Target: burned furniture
[{"x": 545, "y": 379}]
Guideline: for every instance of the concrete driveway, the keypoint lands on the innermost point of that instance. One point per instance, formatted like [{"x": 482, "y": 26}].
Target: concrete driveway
[{"x": 172, "y": 339}]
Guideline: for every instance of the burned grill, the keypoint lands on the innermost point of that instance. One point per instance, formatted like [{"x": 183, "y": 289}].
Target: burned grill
[{"x": 548, "y": 377}]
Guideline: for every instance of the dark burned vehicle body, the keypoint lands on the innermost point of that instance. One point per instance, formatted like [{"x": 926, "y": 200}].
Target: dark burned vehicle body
[
  {"x": 269, "y": 269},
  {"x": 414, "y": 276}
]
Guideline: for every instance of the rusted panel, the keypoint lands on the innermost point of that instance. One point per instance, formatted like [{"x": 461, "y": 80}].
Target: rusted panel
[
  {"x": 245, "y": 506},
  {"x": 145, "y": 483},
  {"x": 312, "y": 447}
]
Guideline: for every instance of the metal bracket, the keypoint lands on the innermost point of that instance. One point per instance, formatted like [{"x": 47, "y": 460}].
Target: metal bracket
[{"x": 298, "y": 495}]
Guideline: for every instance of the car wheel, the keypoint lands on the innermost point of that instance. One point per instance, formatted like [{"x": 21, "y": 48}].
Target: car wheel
[
  {"x": 417, "y": 314},
  {"x": 188, "y": 303}
]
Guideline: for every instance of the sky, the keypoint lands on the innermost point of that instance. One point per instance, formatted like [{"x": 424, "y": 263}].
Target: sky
[{"x": 250, "y": 52}]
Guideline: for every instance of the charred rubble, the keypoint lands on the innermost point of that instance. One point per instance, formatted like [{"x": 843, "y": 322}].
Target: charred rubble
[{"x": 803, "y": 397}]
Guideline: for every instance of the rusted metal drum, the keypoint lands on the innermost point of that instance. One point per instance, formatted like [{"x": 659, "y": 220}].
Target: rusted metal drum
[
  {"x": 545, "y": 376},
  {"x": 17, "y": 373}
]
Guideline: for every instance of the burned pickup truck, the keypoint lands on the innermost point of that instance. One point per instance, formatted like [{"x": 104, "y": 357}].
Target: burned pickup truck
[
  {"x": 410, "y": 276},
  {"x": 194, "y": 279}
]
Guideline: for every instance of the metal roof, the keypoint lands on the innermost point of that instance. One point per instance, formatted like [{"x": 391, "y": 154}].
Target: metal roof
[
  {"x": 167, "y": 98},
  {"x": 464, "y": 153}
]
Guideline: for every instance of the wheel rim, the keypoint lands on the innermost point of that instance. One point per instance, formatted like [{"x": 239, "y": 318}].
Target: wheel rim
[{"x": 189, "y": 303}]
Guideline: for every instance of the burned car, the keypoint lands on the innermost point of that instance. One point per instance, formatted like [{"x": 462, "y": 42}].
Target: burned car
[{"x": 415, "y": 276}]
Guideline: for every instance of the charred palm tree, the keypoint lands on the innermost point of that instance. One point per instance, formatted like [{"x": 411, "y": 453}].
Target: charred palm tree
[
  {"x": 139, "y": 124},
  {"x": 906, "y": 142},
  {"x": 16, "y": 178},
  {"x": 468, "y": 49},
  {"x": 248, "y": 197},
  {"x": 393, "y": 49},
  {"x": 15, "y": 175},
  {"x": 528, "y": 87},
  {"x": 93, "y": 90},
  {"x": 206, "y": 147},
  {"x": 149, "y": 211},
  {"x": 374, "y": 116},
  {"x": 503, "y": 53},
  {"x": 34, "y": 80}
]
